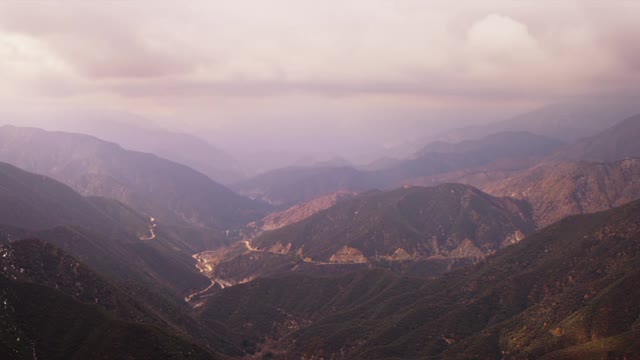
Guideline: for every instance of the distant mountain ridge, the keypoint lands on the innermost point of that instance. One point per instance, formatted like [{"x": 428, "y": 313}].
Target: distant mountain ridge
[
  {"x": 292, "y": 185},
  {"x": 135, "y": 133},
  {"x": 149, "y": 184},
  {"x": 512, "y": 143},
  {"x": 616, "y": 143},
  {"x": 566, "y": 121}
]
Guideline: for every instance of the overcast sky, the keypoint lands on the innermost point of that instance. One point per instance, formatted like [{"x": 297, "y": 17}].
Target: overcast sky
[{"x": 280, "y": 70}]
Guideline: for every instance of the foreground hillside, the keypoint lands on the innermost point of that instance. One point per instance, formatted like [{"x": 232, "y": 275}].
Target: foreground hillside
[
  {"x": 54, "y": 307},
  {"x": 566, "y": 292}
]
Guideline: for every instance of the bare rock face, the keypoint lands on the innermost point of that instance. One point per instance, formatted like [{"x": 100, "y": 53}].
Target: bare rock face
[
  {"x": 400, "y": 255},
  {"x": 467, "y": 249},
  {"x": 280, "y": 248},
  {"x": 514, "y": 238},
  {"x": 348, "y": 255}
]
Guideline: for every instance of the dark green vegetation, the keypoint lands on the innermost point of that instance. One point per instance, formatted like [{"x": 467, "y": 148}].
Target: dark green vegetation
[
  {"x": 54, "y": 307},
  {"x": 297, "y": 184},
  {"x": 567, "y": 292},
  {"x": 173, "y": 193},
  {"x": 453, "y": 221}
]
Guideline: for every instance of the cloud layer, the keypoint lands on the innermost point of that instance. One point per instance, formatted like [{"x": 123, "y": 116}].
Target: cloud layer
[{"x": 220, "y": 62}]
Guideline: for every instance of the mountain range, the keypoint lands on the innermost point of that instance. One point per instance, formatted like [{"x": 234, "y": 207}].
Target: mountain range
[
  {"x": 168, "y": 191},
  {"x": 94, "y": 230},
  {"x": 559, "y": 189},
  {"x": 566, "y": 292},
  {"x": 137, "y": 133},
  {"x": 444, "y": 221},
  {"x": 616, "y": 143},
  {"x": 46, "y": 292},
  {"x": 532, "y": 253},
  {"x": 293, "y": 185}
]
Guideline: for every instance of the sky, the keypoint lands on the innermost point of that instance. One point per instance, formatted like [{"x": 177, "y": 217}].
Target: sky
[{"x": 296, "y": 73}]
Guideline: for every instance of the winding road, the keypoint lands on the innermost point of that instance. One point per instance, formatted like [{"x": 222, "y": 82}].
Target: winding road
[
  {"x": 247, "y": 243},
  {"x": 152, "y": 230},
  {"x": 188, "y": 298}
]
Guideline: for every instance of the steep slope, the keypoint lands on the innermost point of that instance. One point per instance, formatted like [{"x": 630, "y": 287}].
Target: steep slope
[
  {"x": 296, "y": 213},
  {"x": 450, "y": 220},
  {"x": 289, "y": 304},
  {"x": 151, "y": 185},
  {"x": 566, "y": 292},
  {"x": 413, "y": 231},
  {"x": 101, "y": 232},
  {"x": 569, "y": 285},
  {"x": 54, "y": 307},
  {"x": 616, "y": 143},
  {"x": 559, "y": 189},
  {"x": 37, "y": 202}
]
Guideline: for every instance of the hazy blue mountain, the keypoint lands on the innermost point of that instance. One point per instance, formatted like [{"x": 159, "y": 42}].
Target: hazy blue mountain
[
  {"x": 616, "y": 143},
  {"x": 166, "y": 190}
]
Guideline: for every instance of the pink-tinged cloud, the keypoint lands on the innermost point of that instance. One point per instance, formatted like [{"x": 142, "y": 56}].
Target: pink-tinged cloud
[{"x": 256, "y": 61}]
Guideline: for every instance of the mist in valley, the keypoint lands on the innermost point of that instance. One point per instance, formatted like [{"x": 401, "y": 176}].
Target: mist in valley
[{"x": 303, "y": 180}]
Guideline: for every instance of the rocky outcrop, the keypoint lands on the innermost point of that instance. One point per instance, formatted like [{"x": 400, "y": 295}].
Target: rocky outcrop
[{"x": 348, "y": 255}]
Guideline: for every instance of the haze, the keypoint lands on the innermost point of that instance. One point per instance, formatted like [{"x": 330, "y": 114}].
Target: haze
[{"x": 331, "y": 78}]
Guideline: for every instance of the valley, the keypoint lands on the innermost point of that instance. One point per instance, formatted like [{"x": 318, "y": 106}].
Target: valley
[
  {"x": 337, "y": 275},
  {"x": 308, "y": 180},
  {"x": 285, "y": 250}
]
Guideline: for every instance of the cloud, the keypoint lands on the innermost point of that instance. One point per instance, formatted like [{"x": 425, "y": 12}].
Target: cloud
[
  {"x": 164, "y": 56},
  {"x": 501, "y": 40}
]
